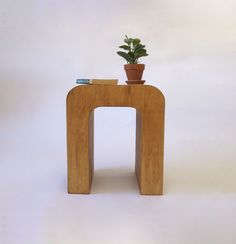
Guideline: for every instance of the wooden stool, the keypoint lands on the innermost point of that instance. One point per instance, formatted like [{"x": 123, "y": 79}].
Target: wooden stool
[{"x": 149, "y": 103}]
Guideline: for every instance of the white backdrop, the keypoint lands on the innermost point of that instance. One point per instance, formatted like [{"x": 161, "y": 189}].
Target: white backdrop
[{"x": 44, "y": 46}]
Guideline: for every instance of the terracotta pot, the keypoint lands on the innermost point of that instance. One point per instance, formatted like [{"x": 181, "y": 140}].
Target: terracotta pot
[{"x": 134, "y": 71}]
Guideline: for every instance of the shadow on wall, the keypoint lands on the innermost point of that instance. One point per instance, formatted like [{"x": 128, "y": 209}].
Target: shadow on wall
[{"x": 20, "y": 98}]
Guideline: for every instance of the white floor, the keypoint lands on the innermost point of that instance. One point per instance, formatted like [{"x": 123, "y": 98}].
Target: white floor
[{"x": 198, "y": 205}]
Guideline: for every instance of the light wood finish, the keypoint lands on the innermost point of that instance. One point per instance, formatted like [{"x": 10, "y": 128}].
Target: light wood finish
[{"x": 149, "y": 103}]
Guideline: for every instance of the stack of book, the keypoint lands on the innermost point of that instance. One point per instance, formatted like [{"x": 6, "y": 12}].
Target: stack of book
[{"x": 97, "y": 81}]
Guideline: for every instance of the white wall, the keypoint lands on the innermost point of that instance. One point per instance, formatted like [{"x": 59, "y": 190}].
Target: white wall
[{"x": 46, "y": 44}]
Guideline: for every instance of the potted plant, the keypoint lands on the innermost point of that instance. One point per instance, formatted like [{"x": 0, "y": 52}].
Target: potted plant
[{"x": 132, "y": 51}]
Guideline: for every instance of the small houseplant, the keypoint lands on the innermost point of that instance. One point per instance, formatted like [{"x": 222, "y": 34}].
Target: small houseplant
[{"x": 132, "y": 51}]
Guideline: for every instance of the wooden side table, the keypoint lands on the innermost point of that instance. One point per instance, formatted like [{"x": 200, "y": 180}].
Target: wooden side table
[{"x": 149, "y": 103}]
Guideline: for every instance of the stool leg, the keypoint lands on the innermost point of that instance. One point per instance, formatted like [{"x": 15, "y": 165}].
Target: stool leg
[
  {"x": 149, "y": 151},
  {"x": 91, "y": 147},
  {"x": 138, "y": 146},
  {"x": 79, "y": 147}
]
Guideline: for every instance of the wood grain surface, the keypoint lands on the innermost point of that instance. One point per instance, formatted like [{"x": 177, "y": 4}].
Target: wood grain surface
[{"x": 149, "y": 103}]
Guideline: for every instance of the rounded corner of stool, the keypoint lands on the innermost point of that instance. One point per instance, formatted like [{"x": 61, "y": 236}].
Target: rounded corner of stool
[
  {"x": 76, "y": 89},
  {"x": 156, "y": 90}
]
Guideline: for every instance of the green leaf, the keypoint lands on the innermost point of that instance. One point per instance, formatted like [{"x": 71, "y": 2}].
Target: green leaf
[
  {"x": 125, "y": 47},
  {"x": 139, "y": 51},
  {"x": 136, "y": 41},
  {"x": 128, "y": 40},
  {"x": 141, "y": 55},
  {"x": 132, "y": 57},
  {"x": 131, "y": 54},
  {"x": 134, "y": 50},
  {"x": 138, "y": 47},
  {"x": 124, "y": 55}
]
